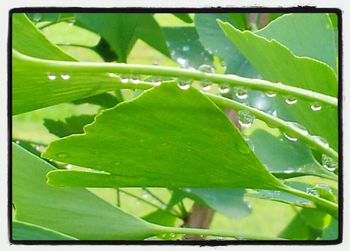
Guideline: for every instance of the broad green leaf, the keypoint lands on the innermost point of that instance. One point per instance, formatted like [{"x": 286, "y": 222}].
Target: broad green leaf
[
  {"x": 28, "y": 40},
  {"x": 25, "y": 231},
  {"x": 228, "y": 202},
  {"x": 285, "y": 158},
  {"x": 278, "y": 64},
  {"x": 116, "y": 28},
  {"x": 186, "y": 49},
  {"x": 305, "y": 34},
  {"x": 74, "y": 212},
  {"x": 40, "y": 17},
  {"x": 175, "y": 133},
  {"x": 71, "y": 125},
  {"x": 214, "y": 39}
]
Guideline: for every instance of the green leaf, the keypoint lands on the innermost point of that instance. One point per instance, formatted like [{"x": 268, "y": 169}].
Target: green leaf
[
  {"x": 161, "y": 217},
  {"x": 150, "y": 32},
  {"x": 184, "y": 17},
  {"x": 40, "y": 17},
  {"x": 214, "y": 39},
  {"x": 25, "y": 231},
  {"x": 74, "y": 212},
  {"x": 116, "y": 28},
  {"x": 31, "y": 75},
  {"x": 105, "y": 100},
  {"x": 27, "y": 39},
  {"x": 71, "y": 125},
  {"x": 278, "y": 64},
  {"x": 305, "y": 34},
  {"x": 175, "y": 133},
  {"x": 331, "y": 232},
  {"x": 228, "y": 202},
  {"x": 186, "y": 49},
  {"x": 284, "y": 158}
]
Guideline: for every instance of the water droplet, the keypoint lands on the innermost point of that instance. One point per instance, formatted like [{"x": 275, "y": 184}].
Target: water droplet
[
  {"x": 329, "y": 163},
  {"x": 241, "y": 92},
  {"x": 145, "y": 195},
  {"x": 69, "y": 166},
  {"x": 17, "y": 141},
  {"x": 245, "y": 118},
  {"x": 206, "y": 86},
  {"x": 62, "y": 155},
  {"x": 250, "y": 144},
  {"x": 37, "y": 148},
  {"x": 65, "y": 76},
  {"x": 117, "y": 163},
  {"x": 96, "y": 152},
  {"x": 290, "y": 137},
  {"x": 124, "y": 78},
  {"x": 51, "y": 76},
  {"x": 321, "y": 141},
  {"x": 289, "y": 171},
  {"x": 172, "y": 235},
  {"x": 71, "y": 22},
  {"x": 316, "y": 107},
  {"x": 188, "y": 190},
  {"x": 313, "y": 192},
  {"x": 224, "y": 89},
  {"x": 184, "y": 84},
  {"x": 185, "y": 48},
  {"x": 112, "y": 75},
  {"x": 299, "y": 128},
  {"x": 291, "y": 100},
  {"x": 206, "y": 68},
  {"x": 271, "y": 94},
  {"x": 37, "y": 17},
  {"x": 164, "y": 144},
  {"x": 135, "y": 79}
]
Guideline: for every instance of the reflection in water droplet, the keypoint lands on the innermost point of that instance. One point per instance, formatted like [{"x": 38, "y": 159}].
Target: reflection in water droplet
[
  {"x": 51, "y": 76},
  {"x": 245, "y": 118},
  {"x": 312, "y": 191},
  {"x": 37, "y": 17},
  {"x": 65, "y": 76},
  {"x": 183, "y": 86},
  {"x": 316, "y": 107},
  {"x": 124, "y": 78},
  {"x": 62, "y": 155},
  {"x": 289, "y": 137},
  {"x": 224, "y": 89},
  {"x": 329, "y": 163},
  {"x": 206, "y": 86},
  {"x": 206, "y": 68},
  {"x": 135, "y": 79},
  {"x": 291, "y": 100},
  {"x": 271, "y": 94},
  {"x": 69, "y": 166},
  {"x": 241, "y": 92}
]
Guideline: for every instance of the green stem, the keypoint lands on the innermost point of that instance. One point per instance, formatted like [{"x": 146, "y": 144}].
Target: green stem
[
  {"x": 221, "y": 79},
  {"x": 147, "y": 202},
  {"x": 324, "y": 205},
  {"x": 154, "y": 196},
  {"x": 212, "y": 232},
  {"x": 311, "y": 141}
]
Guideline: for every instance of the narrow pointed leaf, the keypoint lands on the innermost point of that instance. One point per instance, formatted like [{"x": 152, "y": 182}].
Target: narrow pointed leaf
[{"x": 174, "y": 133}]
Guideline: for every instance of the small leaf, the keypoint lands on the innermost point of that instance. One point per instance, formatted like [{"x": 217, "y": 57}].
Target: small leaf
[
  {"x": 161, "y": 217},
  {"x": 71, "y": 125},
  {"x": 175, "y": 133}
]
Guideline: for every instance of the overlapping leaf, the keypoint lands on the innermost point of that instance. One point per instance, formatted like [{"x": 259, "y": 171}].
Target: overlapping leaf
[
  {"x": 166, "y": 146},
  {"x": 74, "y": 212}
]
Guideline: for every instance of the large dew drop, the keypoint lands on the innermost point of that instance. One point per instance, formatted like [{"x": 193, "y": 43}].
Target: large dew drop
[
  {"x": 65, "y": 76},
  {"x": 329, "y": 163},
  {"x": 184, "y": 84},
  {"x": 245, "y": 118},
  {"x": 206, "y": 68},
  {"x": 271, "y": 94},
  {"x": 224, "y": 89}
]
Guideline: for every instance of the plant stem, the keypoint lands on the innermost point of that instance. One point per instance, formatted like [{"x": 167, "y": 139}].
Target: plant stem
[
  {"x": 312, "y": 141},
  {"x": 212, "y": 232},
  {"x": 154, "y": 196},
  {"x": 221, "y": 79},
  {"x": 147, "y": 202},
  {"x": 324, "y": 205}
]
